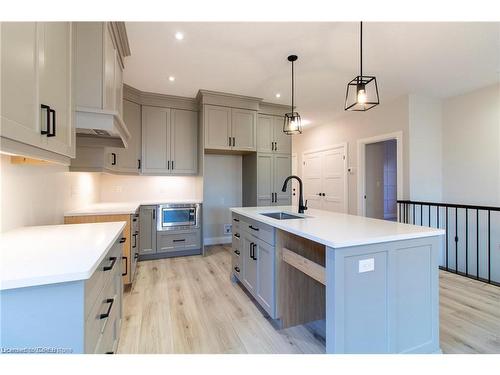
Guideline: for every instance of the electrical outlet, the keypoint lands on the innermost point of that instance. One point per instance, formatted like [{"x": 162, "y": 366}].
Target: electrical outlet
[
  {"x": 117, "y": 188},
  {"x": 228, "y": 228},
  {"x": 366, "y": 265}
]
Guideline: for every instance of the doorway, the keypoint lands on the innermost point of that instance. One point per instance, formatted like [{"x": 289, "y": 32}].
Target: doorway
[{"x": 380, "y": 176}]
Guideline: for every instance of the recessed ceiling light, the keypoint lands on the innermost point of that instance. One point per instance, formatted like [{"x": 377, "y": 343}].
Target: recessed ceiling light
[
  {"x": 278, "y": 95},
  {"x": 179, "y": 35},
  {"x": 171, "y": 78}
]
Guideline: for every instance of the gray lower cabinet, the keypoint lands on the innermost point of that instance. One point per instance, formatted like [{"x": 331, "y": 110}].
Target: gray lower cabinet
[
  {"x": 147, "y": 230},
  {"x": 169, "y": 141},
  {"x": 167, "y": 241},
  {"x": 254, "y": 261},
  {"x": 272, "y": 170},
  {"x": 82, "y": 316}
]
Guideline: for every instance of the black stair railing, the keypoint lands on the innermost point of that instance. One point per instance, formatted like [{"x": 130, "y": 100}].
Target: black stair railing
[{"x": 472, "y": 244}]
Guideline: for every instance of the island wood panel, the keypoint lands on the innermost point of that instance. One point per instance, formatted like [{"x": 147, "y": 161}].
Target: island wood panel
[
  {"x": 301, "y": 299},
  {"x": 308, "y": 267},
  {"x": 105, "y": 219}
]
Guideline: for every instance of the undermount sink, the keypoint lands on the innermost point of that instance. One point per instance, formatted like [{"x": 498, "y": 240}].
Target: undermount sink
[{"x": 281, "y": 215}]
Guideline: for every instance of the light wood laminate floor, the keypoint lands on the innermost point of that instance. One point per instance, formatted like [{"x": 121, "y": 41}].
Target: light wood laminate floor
[{"x": 189, "y": 305}]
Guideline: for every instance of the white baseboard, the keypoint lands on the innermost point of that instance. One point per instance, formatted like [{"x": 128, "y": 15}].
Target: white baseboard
[{"x": 217, "y": 240}]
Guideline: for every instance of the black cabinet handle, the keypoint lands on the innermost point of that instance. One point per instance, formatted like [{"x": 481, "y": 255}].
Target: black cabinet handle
[
  {"x": 52, "y": 133},
  {"x": 113, "y": 160},
  {"x": 237, "y": 235},
  {"x": 110, "y": 301},
  {"x": 154, "y": 214},
  {"x": 109, "y": 353},
  {"x": 173, "y": 165},
  {"x": 229, "y": 141},
  {"x": 234, "y": 141},
  {"x": 123, "y": 239},
  {"x": 275, "y": 146},
  {"x": 138, "y": 163},
  {"x": 136, "y": 255},
  {"x": 237, "y": 252},
  {"x": 180, "y": 240},
  {"x": 110, "y": 267},
  {"x": 254, "y": 254},
  {"x": 126, "y": 266},
  {"x": 237, "y": 269},
  {"x": 252, "y": 251},
  {"x": 134, "y": 236},
  {"x": 253, "y": 228},
  {"x": 237, "y": 220},
  {"x": 47, "y": 120}
]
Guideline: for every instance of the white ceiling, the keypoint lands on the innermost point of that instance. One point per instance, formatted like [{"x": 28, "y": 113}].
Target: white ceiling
[{"x": 436, "y": 59}]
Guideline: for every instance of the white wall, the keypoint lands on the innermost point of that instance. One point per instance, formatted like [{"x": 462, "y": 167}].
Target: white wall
[
  {"x": 115, "y": 188},
  {"x": 425, "y": 148},
  {"x": 471, "y": 147},
  {"x": 388, "y": 117},
  {"x": 222, "y": 190},
  {"x": 39, "y": 195}
]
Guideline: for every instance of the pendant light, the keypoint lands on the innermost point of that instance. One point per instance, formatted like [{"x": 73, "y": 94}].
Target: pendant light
[
  {"x": 362, "y": 91},
  {"x": 292, "y": 124}
]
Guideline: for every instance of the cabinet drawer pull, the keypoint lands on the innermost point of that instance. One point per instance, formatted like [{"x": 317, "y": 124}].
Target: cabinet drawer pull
[
  {"x": 110, "y": 301},
  {"x": 237, "y": 269},
  {"x": 229, "y": 141},
  {"x": 237, "y": 235},
  {"x": 134, "y": 236},
  {"x": 136, "y": 255},
  {"x": 110, "y": 267},
  {"x": 52, "y": 133},
  {"x": 109, "y": 353},
  {"x": 126, "y": 266},
  {"x": 253, "y": 228},
  {"x": 237, "y": 220},
  {"x": 181, "y": 240},
  {"x": 138, "y": 163},
  {"x": 237, "y": 252},
  {"x": 113, "y": 158}
]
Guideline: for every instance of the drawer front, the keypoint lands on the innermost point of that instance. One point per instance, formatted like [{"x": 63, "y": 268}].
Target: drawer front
[
  {"x": 179, "y": 241},
  {"x": 259, "y": 230},
  {"x": 107, "y": 307},
  {"x": 102, "y": 275}
]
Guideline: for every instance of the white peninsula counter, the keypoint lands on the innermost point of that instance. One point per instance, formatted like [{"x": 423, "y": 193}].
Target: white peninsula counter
[{"x": 373, "y": 283}]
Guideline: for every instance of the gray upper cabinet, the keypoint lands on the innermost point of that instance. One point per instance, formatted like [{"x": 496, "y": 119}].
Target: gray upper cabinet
[
  {"x": 127, "y": 160},
  {"x": 270, "y": 136},
  {"x": 36, "y": 93},
  {"x": 244, "y": 126},
  {"x": 169, "y": 141},
  {"x": 229, "y": 128},
  {"x": 217, "y": 122},
  {"x": 155, "y": 146},
  {"x": 184, "y": 141},
  {"x": 282, "y": 168}
]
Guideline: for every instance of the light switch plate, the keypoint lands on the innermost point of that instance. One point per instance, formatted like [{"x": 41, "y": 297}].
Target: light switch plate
[{"x": 366, "y": 265}]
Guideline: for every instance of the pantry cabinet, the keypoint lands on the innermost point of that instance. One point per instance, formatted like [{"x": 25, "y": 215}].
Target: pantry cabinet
[
  {"x": 36, "y": 90},
  {"x": 270, "y": 136},
  {"x": 169, "y": 141},
  {"x": 231, "y": 129}
]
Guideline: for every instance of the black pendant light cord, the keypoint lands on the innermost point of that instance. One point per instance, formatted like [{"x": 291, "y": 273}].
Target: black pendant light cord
[
  {"x": 292, "y": 86},
  {"x": 361, "y": 48}
]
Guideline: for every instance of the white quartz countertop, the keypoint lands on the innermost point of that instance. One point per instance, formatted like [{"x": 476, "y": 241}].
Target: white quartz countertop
[
  {"x": 338, "y": 230},
  {"x": 120, "y": 208},
  {"x": 40, "y": 255}
]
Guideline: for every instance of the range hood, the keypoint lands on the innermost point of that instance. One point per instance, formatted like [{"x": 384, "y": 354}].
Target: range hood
[{"x": 101, "y": 127}]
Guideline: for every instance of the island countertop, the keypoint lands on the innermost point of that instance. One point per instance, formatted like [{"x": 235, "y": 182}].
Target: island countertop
[
  {"x": 39, "y": 255},
  {"x": 338, "y": 230}
]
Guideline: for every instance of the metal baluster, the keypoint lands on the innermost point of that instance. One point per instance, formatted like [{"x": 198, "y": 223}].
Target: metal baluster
[
  {"x": 456, "y": 240},
  {"x": 446, "y": 238},
  {"x": 477, "y": 244},
  {"x": 467, "y": 242},
  {"x": 489, "y": 246}
]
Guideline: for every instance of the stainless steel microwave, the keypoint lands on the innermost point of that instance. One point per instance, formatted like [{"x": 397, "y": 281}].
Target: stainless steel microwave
[{"x": 178, "y": 216}]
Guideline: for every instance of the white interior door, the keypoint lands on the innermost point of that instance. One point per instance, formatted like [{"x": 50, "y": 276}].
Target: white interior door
[
  {"x": 325, "y": 178},
  {"x": 312, "y": 178},
  {"x": 334, "y": 180}
]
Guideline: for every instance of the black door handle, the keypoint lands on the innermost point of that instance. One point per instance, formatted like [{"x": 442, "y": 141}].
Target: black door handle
[
  {"x": 105, "y": 315},
  {"x": 126, "y": 266},
  {"x": 154, "y": 214},
  {"x": 138, "y": 163},
  {"x": 254, "y": 245},
  {"x": 251, "y": 250},
  {"x": 52, "y": 133},
  {"x": 110, "y": 267},
  {"x": 47, "y": 120},
  {"x": 173, "y": 165}
]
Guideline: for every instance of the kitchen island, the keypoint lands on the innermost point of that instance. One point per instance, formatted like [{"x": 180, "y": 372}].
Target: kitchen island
[{"x": 371, "y": 284}]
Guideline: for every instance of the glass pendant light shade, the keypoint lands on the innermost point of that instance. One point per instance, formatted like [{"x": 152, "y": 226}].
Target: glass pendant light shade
[
  {"x": 292, "y": 124},
  {"x": 362, "y": 91}
]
